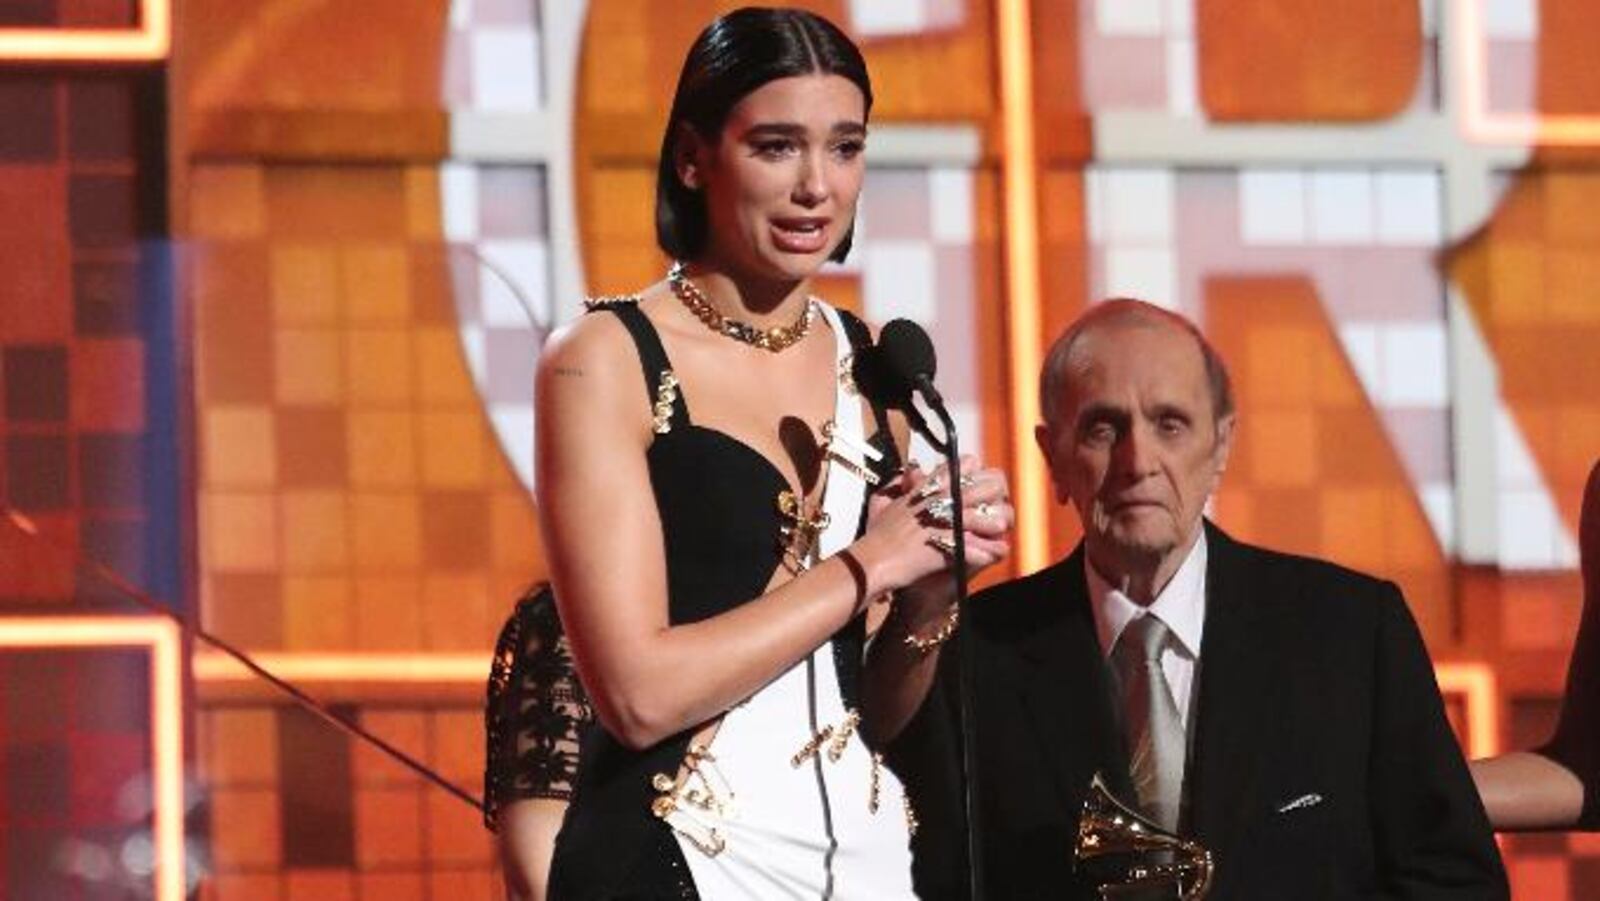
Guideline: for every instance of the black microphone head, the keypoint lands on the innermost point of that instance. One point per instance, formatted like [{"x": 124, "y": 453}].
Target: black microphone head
[
  {"x": 887, "y": 372},
  {"x": 870, "y": 371},
  {"x": 908, "y": 351}
]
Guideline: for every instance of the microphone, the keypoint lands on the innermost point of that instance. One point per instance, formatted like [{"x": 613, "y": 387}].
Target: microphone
[{"x": 901, "y": 364}]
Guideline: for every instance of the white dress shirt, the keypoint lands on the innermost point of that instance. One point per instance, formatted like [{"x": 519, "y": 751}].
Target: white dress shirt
[{"x": 1181, "y": 605}]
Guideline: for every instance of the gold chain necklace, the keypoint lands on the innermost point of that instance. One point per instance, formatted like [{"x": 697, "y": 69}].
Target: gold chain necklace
[{"x": 779, "y": 337}]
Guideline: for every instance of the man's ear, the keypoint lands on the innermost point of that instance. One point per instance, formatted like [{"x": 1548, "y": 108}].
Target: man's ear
[
  {"x": 1045, "y": 438},
  {"x": 1224, "y": 445},
  {"x": 688, "y": 157}
]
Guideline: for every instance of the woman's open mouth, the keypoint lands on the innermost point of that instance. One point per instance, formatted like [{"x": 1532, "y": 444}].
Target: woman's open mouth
[{"x": 800, "y": 234}]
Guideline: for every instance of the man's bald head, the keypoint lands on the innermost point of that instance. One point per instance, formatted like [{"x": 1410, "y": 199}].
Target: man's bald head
[{"x": 1125, "y": 312}]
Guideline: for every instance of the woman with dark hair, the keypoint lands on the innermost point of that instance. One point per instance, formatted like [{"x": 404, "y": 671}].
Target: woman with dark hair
[
  {"x": 719, "y": 531},
  {"x": 1557, "y": 786}
]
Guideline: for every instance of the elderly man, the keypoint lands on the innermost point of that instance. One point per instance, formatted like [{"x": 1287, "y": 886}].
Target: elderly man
[{"x": 1279, "y": 709}]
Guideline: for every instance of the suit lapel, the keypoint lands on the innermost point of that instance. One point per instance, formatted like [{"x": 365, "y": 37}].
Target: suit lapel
[
  {"x": 1064, "y": 688},
  {"x": 1237, "y": 704}
]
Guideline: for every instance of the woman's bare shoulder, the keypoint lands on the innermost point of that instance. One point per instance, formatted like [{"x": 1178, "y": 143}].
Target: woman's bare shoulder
[{"x": 597, "y": 337}]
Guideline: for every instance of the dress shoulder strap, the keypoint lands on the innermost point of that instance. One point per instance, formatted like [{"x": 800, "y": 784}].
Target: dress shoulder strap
[
  {"x": 666, "y": 401},
  {"x": 855, "y": 330}
]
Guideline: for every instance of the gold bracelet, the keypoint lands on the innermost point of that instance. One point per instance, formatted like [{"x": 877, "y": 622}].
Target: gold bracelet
[{"x": 940, "y": 636}]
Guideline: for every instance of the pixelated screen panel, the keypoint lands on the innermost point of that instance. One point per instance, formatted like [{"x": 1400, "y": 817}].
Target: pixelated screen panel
[
  {"x": 69, "y": 14},
  {"x": 298, "y": 810},
  {"x": 85, "y": 30},
  {"x": 1303, "y": 60},
  {"x": 1526, "y": 72},
  {"x": 1470, "y": 691},
  {"x": 1529, "y": 277},
  {"x": 94, "y": 754}
]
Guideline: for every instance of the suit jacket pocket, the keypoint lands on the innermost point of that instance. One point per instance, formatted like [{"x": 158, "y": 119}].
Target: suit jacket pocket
[{"x": 1293, "y": 847}]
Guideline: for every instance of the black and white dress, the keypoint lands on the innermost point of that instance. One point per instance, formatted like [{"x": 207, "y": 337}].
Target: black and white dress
[{"x": 784, "y": 800}]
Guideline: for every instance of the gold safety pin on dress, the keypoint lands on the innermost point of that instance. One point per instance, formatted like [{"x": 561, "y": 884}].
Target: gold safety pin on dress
[{"x": 855, "y": 456}]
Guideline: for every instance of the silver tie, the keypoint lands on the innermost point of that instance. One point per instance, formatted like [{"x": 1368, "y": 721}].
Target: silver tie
[{"x": 1154, "y": 729}]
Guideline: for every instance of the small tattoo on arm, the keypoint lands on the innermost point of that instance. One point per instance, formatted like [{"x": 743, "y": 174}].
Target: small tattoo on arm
[{"x": 569, "y": 371}]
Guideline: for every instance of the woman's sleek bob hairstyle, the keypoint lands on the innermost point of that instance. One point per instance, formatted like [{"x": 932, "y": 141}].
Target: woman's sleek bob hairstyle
[{"x": 733, "y": 56}]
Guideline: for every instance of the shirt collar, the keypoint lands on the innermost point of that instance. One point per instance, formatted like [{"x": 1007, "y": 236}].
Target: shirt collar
[{"x": 1181, "y": 604}]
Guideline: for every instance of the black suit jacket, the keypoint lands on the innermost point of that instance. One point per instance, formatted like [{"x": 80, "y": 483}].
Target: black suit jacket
[{"x": 1313, "y": 683}]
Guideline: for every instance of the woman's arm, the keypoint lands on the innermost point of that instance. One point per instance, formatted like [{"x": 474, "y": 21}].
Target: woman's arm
[
  {"x": 527, "y": 840},
  {"x": 1527, "y": 790},
  {"x": 901, "y": 663},
  {"x": 603, "y": 537},
  {"x": 1524, "y": 791}
]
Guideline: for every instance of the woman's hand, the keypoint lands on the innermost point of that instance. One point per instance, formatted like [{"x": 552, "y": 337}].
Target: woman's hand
[
  {"x": 902, "y": 540},
  {"x": 987, "y": 518},
  {"x": 987, "y": 514},
  {"x": 909, "y": 524},
  {"x": 905, "y": 655}
]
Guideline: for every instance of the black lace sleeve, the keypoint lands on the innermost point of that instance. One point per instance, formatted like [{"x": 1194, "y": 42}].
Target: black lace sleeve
[{"x": 535, "y": 709}]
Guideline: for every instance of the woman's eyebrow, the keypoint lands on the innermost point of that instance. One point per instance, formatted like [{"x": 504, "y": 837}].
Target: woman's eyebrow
[
  {"x": 845, "y": 127},
  {"x": 775, "y": 129}
]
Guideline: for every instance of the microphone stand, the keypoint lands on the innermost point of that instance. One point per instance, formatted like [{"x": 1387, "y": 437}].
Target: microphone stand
[{"x": 964, "y": 648}]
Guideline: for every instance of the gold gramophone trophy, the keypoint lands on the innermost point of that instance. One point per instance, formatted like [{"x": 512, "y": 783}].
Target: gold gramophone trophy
[{"x": 1142, "y": 854}]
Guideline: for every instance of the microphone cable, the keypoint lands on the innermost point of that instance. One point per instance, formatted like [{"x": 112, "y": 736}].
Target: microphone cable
[
  {"x": 900, "y": 366},
  {"x": 79, "y": 560}
]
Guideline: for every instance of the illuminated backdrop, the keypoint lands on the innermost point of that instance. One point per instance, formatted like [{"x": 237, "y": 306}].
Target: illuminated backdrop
[{"x": 1381, "y": 212}]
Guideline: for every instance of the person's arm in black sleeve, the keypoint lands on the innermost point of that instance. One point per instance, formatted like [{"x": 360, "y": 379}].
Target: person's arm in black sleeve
[{"x": 1432, "y": 837}]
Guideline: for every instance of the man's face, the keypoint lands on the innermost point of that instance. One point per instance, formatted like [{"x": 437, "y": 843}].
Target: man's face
[{"x": 1135, "y": 445}]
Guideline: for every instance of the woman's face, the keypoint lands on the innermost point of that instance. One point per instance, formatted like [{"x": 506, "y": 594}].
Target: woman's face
[{"x": 781, "y": 182}]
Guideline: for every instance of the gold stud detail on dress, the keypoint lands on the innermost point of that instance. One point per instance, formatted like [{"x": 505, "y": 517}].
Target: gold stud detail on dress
[
  {"x": 609, "y": 300},
  {"x": 811, "y": 747},
  {"x": 832, "y": 438},
  {"x": 798, "y": 536},
  {"x": 666, "y": 395},
  {"x": 875, "y": 782},
  {"x": 847, "y": 375},
  {"x": 841, "y": 736},
  {"x": 711, "y": 844},
  {"x": 685, "y": 807}
]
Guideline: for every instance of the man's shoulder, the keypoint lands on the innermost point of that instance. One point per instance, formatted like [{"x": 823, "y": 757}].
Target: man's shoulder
[
  {"x": 1022, "y": 586},
  {"x": 1026, "y": 603},
  {"x": 1311, "y": 569},
  {"x": 1308, "y": 580},
  {"x": 1052, "y": 580}
]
